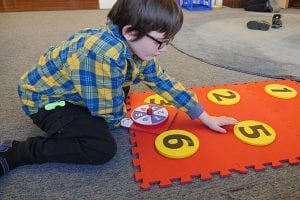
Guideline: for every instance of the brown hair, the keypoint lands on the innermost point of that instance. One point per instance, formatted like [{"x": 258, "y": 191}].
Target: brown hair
[{"x": 164, "y": 16}]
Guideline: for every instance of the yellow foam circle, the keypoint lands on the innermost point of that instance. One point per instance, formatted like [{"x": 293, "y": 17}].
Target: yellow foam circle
[
  {"x": 176, "y": 144},
  {"x": 157, "y": 99},
  {"x": 223, "y": 96},
  {"x": 254, "y": 133},
  {"x": 280, "y": 91}
]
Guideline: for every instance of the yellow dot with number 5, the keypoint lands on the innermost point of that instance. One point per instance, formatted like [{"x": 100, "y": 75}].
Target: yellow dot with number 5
[
  {"x": 280, "y": 91},
  {"x": 223, "y": 96},
  {"x": 176, "y": 144},
  {"x": 254, "y": 133}
]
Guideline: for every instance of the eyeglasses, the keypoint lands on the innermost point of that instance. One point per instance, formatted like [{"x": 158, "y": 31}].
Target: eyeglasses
[{"x": 161, "y": 44}]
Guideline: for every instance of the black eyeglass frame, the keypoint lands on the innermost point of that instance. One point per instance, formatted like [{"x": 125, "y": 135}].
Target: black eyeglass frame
[{"x": 161, "y": 44}]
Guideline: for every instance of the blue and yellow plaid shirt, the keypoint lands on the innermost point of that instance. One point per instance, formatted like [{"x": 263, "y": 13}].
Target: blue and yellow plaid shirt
[{"x": 90, "y": 69}]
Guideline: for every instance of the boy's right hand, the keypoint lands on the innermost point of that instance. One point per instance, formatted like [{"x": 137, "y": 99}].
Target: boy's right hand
[{"x": 215, "y": 123}]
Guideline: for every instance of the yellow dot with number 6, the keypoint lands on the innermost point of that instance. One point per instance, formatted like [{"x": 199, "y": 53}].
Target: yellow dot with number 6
[
  {"x": 254, "y": 133},
  {"x": 223, "y": 96},
  {"x": 176, "y": 144},
  {"x": 280, "y": 91}
]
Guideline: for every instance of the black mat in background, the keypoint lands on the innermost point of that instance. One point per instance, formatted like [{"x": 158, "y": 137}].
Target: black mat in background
[{"x": 223, "y": 39}]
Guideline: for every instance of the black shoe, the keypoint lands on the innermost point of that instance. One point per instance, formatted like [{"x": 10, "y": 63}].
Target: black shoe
[
  {"x": 276, "y": 21},
  {"x": 258, "y": 25},
  {"x": 8, "y": 157}
]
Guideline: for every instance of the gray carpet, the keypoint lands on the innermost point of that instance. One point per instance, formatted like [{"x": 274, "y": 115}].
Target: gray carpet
[
  {"x": 222, "y": 38},
  {"x": 23, "y": 37}
]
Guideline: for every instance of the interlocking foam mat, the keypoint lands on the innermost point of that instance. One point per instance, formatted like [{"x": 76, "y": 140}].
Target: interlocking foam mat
[{"x": 272, "y": 137}]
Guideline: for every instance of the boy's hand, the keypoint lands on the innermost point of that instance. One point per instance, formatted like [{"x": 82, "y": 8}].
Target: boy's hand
[{"x": 215, "y": 123}]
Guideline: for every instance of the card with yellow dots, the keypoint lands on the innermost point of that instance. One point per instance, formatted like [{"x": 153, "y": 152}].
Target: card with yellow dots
[{"x": 174, "y": 147}]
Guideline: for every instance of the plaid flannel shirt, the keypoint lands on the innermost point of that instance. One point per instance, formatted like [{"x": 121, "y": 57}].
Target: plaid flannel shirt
[{"x": 90, "y": 69}]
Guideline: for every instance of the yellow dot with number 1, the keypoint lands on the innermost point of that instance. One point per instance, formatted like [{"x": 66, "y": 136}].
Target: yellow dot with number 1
[
  {"x": 223, "y": 96},
  {"x": 254, "y": 133},
  {"x": 280, "y": 91},
  {"x": 176, "y": 144}
]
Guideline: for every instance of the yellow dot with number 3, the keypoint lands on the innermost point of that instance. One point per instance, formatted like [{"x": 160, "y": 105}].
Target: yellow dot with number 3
[
  {"x": 254, "y": 133},
  {"x": 176, "y": 144},
  {"x": 223, "y": 96},
  {"x": 157, "y": 99},
  {"x": 280, "y": 91}
]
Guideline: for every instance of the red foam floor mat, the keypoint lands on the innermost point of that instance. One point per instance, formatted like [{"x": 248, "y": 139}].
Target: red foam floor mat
[{"x": 219, "y": 153}]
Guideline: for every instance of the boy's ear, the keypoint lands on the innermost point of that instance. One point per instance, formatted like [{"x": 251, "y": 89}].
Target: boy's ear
[{"x": 127, "y": 34}]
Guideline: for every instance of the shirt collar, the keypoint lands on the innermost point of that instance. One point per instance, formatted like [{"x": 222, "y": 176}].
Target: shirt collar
[{"x": 115, "y": 30}]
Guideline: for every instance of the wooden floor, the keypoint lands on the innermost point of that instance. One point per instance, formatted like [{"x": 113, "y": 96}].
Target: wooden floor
[
  {"x": 42, "y": 5},
  {"x": 294, "y": 4}
]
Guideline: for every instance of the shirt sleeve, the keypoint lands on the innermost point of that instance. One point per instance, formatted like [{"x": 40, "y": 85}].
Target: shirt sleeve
[{"x": 173, "y": 91}]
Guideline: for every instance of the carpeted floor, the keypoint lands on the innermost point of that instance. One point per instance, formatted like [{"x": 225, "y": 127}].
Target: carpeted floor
[
  {"x": 23, "y": 37},
  {"x": 222, "y": 38}
]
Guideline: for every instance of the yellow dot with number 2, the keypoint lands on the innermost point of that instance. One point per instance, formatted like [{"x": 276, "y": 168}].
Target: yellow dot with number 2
[
  {"x": 280, "y": 91},
  {"x": 176, "y": 144},
  {"x": 254, "y": 133},
  {"x": 223, "y": 96}
]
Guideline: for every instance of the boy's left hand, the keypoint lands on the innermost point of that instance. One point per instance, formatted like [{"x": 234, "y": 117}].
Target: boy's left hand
[{"x": 215, "y": 123}]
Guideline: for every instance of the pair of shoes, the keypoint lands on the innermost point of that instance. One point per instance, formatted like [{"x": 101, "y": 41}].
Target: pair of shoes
[
  {"x": 276, "y": 21},
  {"x": 258, "y": 25},
  {"x": 8, "y": 155}
]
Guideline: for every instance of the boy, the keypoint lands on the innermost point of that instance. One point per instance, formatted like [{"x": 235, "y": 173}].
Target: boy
[{"x": 77, "y": 90}]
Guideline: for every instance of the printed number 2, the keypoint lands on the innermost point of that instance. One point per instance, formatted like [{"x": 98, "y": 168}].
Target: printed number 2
[{"x": 220, "y": 96}]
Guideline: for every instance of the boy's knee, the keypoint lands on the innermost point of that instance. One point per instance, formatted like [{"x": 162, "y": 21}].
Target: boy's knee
[
  {"x": 101, "y": 152},
  {"x": 108, "y": 152}
]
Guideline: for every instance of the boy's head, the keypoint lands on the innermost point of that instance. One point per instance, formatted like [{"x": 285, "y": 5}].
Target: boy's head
[
  {"x": 147, "y": 25},
  {"x": 144, "y": 16}
]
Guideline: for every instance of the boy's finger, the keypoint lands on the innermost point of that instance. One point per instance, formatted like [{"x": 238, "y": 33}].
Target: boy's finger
[
  {"x": 230, "y": 120},
  {"x": 220, "y": 129}
]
